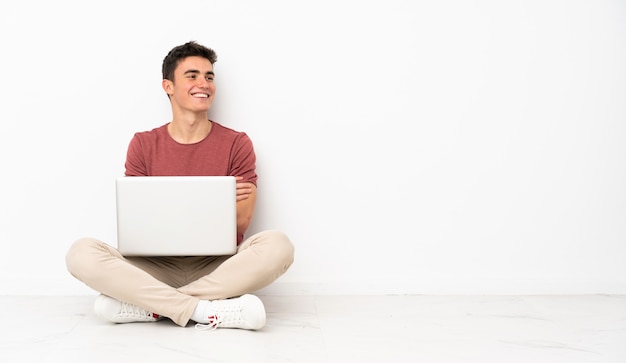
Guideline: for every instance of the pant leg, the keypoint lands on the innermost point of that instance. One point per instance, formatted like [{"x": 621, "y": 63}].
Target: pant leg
[
  {"x": 259, "y": 261},
  {"x": 105, "y": 270}
]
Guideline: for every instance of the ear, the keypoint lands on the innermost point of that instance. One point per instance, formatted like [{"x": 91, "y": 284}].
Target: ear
[{"x": 168, "y": 86}]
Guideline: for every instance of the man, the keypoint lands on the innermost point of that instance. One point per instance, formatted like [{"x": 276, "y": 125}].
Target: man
[{"x": 212, "y": 291}]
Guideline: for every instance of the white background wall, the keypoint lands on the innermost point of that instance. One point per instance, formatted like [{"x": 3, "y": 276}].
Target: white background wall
[{"x": 405, "y": 146}]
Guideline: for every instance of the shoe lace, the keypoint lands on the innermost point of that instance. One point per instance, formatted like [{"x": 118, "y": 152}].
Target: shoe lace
[
  {"x": 226, "y": 315},
  {"x": 214, "y": 322},
  {"x": 135, "y": 311}
]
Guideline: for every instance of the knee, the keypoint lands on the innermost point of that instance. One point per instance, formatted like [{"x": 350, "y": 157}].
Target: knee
[
  {"x": 78, "y": 258},
  {"x": 281, "y": 246}
]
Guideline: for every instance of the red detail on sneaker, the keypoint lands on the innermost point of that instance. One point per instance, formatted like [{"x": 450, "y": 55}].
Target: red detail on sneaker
[
  {"x": 213, "y": 321},
  {"x": 156, "y": 316}
]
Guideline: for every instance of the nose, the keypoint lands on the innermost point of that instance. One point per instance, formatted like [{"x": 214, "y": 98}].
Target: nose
[{"x": 203, "y": 82}]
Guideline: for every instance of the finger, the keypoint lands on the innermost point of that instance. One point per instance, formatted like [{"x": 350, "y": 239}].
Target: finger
[
  {"x": 243, "y": 197},
  {"x": 243, "y": 185}
]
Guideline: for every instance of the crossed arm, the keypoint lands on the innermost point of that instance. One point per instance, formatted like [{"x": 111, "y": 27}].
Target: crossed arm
[{"x": 246, "y": 200}]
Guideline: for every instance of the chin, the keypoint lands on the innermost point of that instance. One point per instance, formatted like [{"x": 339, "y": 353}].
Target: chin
[{"x": 203, "y": 109}]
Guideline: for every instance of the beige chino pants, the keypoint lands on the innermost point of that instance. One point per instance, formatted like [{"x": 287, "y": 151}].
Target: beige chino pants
[{"x": 172, "y": 286}]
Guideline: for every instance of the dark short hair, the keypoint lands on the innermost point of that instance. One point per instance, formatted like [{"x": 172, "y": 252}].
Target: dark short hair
[{"x": 177, "y": 54}]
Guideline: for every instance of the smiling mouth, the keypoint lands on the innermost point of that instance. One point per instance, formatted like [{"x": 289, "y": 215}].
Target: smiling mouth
[{"x": 200, "y": 95}]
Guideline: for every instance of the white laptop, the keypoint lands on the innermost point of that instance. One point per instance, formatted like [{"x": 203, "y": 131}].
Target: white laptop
[{"x": 176, "y": 215}]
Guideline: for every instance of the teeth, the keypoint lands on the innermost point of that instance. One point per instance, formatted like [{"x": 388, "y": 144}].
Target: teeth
[{"x": 203, "y": 95}]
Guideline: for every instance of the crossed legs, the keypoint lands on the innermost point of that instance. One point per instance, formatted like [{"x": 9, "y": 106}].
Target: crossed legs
[{"x": 173, "y": 286}]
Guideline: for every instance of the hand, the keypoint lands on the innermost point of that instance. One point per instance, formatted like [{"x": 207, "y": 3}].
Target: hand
[{"x": 243, "y": 189}]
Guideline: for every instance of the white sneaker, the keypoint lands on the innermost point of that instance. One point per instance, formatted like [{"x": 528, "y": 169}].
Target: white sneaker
[
  {"x": 244, "y": 312},
  {"x": 116, "y": 311}
]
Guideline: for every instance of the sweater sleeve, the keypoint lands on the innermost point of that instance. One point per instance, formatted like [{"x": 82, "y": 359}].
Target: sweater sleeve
[
  {"x": 243, "y": 159},
  {"x": 135, "y": 160}
]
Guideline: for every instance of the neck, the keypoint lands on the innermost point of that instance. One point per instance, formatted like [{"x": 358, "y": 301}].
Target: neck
[{"x": 189, "y": 130}]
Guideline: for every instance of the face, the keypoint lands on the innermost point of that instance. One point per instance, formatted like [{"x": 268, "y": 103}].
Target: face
[{"x": 193, "y": 88}]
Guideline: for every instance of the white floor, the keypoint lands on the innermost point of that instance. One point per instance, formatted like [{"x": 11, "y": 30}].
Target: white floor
[{"x": 432, "y": 329}]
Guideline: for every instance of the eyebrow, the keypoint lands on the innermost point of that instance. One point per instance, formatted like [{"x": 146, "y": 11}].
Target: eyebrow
[{"x": 195, "y": 71}]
